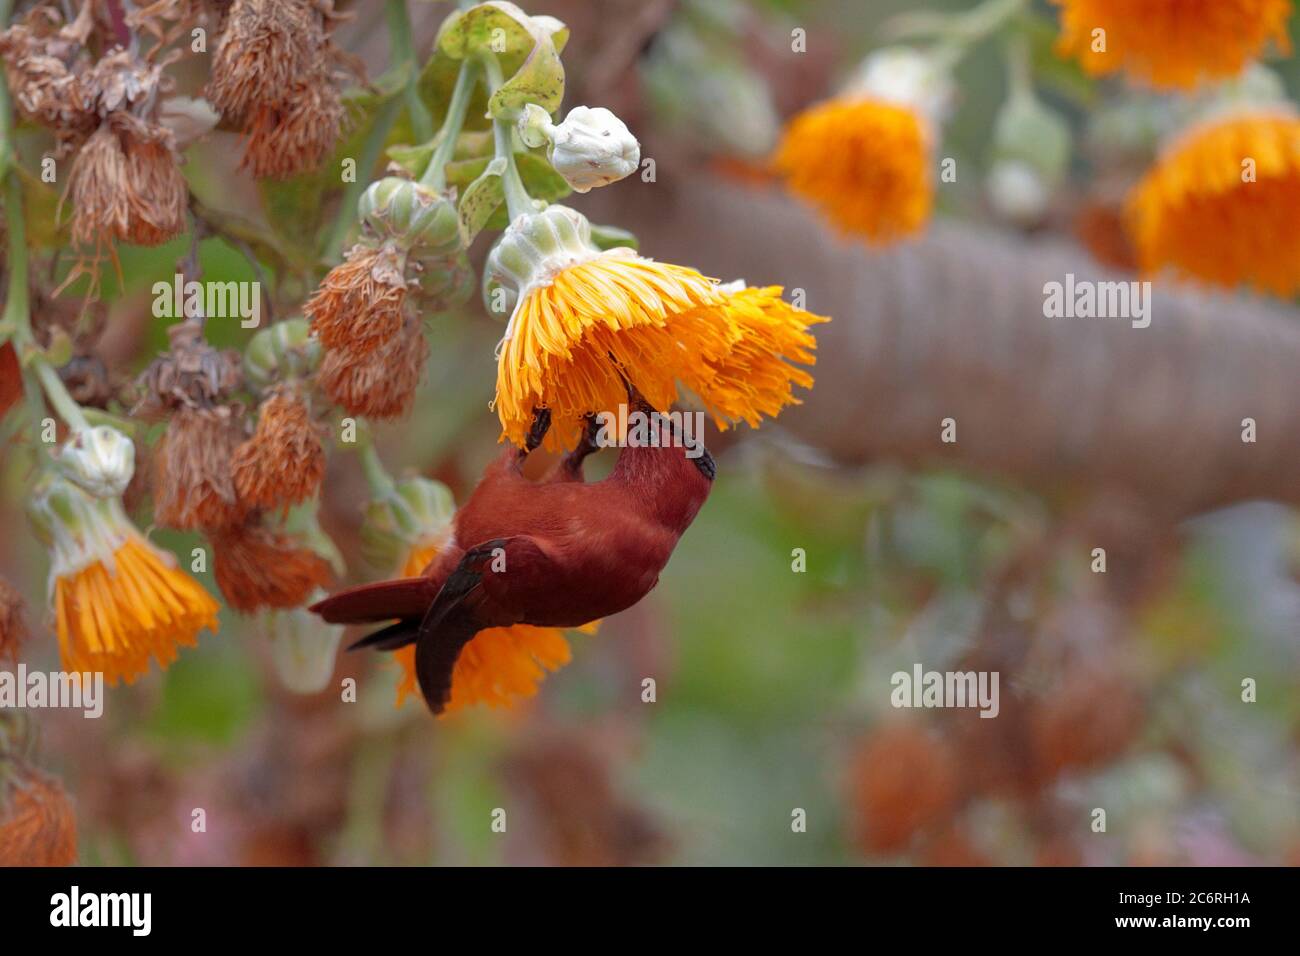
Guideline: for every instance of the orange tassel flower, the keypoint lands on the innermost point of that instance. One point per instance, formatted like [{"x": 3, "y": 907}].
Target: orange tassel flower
[
  {"x": 1170, "y": 43},
  {"x": 1221, "y": 204}
]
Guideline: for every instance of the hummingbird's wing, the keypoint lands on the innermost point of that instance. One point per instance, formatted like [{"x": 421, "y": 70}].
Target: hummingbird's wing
[{"x": 464, "y": 607}]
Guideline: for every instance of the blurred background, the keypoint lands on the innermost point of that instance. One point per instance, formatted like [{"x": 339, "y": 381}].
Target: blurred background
[{"x": 1120, "y": 690}]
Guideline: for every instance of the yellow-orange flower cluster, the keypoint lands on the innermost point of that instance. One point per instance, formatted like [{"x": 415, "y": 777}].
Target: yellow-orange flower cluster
[
  {"x": 1170, "y": 43},
  {"x": 1221, "y": 204},
  {"x": 863, "y": 163},
  {"x": 574, "y": 340}
]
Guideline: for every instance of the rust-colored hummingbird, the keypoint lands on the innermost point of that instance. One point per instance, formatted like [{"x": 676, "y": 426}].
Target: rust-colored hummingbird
[{"x": 561, "y": 552}]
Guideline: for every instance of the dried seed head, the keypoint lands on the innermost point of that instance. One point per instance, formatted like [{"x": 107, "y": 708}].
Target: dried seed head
[
  {"x": 256, "y": 567},
  {"x": 380, "y": 383},
  {"x": 13, "y": 630},
  {"x": 1088, "y": 720},
  {"x": 38, "y": 826},
  {"x": 295, "y": 134},
  {"x": 904, "y": 779},
  {"x": 358, "y": 306},
  {"x": 190, "y": 374},
  {"x": 44, "y": 65},
  {"x": 193, "y": 480},
  {"x": 267, "y": 48},
  {"x": 126, "y": 184},
  {"x": 284, "y": 462}
]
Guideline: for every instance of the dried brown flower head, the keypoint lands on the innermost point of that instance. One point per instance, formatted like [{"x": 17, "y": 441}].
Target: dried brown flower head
[
  {"x": 257, "y": 567},
  {"x": 284, "y": 462},
  {"x": 13, "y": 630},
  {"x": 266, "y": 48},
  {"x": 273, "y": 73},
  {"x": 381, "y": 383},
  {"x": 38, "y": 826},
  {"x": 903, "y": 779},
  {"x": 44, "y": 63},
  {"x": 190, "y": 374},
  {"x": 358, "y": 306},
  {"x": 193, "y": 479},
  {"x": 1088, "y": 720},
  {"x": 126, "y": 184},
  {"x": 293, "y": 135}
]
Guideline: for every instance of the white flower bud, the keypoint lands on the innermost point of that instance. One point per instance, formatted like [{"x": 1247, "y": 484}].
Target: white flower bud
[
  {"x": 909, "y": 78},
  {"x": 1017, "y": 192},
  {"x": 101, "y": 460},
  {"x": 592, "y": 147},
  {"x": 302, "y": 648}
]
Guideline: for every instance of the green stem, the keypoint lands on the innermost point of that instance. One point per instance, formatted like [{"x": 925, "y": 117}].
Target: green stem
[
  {"x": 403, "y": 49},
  {"x": 370, "y": 149},
  {"x": 972, "y": 28},
  {"x": 377, "y": 476},
  {"x": 435, "y": 177},
  {"x": 16, "y": 322},
  {"x": 518, "y": 202}
]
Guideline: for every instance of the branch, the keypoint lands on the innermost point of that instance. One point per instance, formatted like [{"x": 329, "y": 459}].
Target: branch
[{"x": 953, "y": 326}]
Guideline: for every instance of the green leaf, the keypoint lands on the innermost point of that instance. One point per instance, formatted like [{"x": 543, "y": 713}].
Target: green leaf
[
  {"x": 527, "y": 49},
  {"x": 481, "y": 199}
]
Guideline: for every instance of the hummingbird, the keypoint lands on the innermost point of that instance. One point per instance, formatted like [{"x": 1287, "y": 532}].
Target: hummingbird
[{"x": 559, "y": 552}]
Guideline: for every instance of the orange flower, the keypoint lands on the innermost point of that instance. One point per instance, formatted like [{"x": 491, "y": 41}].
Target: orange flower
[
  {"x": 193, "y": 477},
  {"x": 118, "y": 601},
  {"x": 1170, "y": 43},
  {"x": 500, "y": 667},
  {"x": 37, "y": 824},
  {"x": 1197, "y": 213},
  {"x": 284, "y": 462},
  {"x": 257, "y": 567},
  {"x": 904, "y": 780},
  {"x": 864, "y": 163}
]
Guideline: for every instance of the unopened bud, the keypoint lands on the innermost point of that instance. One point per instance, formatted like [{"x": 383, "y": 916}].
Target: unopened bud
[
  {"x": 425, "y": 221},
  {"x": 418, "y": 510},
  {"x": 281, "y": 352},
  {"x": 302, "y": 649},
  {"x": 591, "y": 148},
  {"x": 101, "y": 460}
]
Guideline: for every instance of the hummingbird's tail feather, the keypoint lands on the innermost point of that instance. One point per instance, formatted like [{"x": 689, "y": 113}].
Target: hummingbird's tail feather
[
  {"x": 390, "y": 638},
  {"x": 378, "y": 601},
  {"x": 436, "y": 653}
]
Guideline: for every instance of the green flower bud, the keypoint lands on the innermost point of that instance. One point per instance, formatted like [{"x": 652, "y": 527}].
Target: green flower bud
[
  {"x": 281, "y": 352},
  {"x": 302, "y": 649},
  {"x": 1029, "y": 132},
  {"x": 424, "y": 221},
  {"x": 101, "y": 460},
  {"x": 532, "y": 249},
  {"x": 418, "y": 509},
  {"x": 446, "y": 282}
]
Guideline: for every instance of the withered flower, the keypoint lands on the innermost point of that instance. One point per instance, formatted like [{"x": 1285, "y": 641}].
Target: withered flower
[
  {"x": 358, "y": 306},
  {"x": 126, "y": 184},
  {"x": 194, "y": 483},
  {"x": 284, "y": 462},
  {"x": 13, "y": 630},
  {"x": 257, "y": 567},
  {"x": 265, "y": 50},
  {"x": 297, "y": 134},
  {"x": 380, "y": 383},
  {"x": 44, "y": 63},
  {"x": 273, "y": 74},
  {"x": 193, "y": 473},
  {"x": 38, "y": 826}
]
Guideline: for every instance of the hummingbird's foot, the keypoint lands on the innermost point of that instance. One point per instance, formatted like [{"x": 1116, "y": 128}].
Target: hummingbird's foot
[{"x": 541, "y": 424}]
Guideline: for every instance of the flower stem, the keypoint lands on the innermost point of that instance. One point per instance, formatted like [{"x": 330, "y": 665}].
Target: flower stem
[
  {"x": 403, "y": 48},
  {"x": 16, "y": 322},
  {"x": 377, "y": 476},
  {"x": 518, "y": 202},
  {"x": 435, "y": 177},
  {"x": 973, "y": 27}
]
